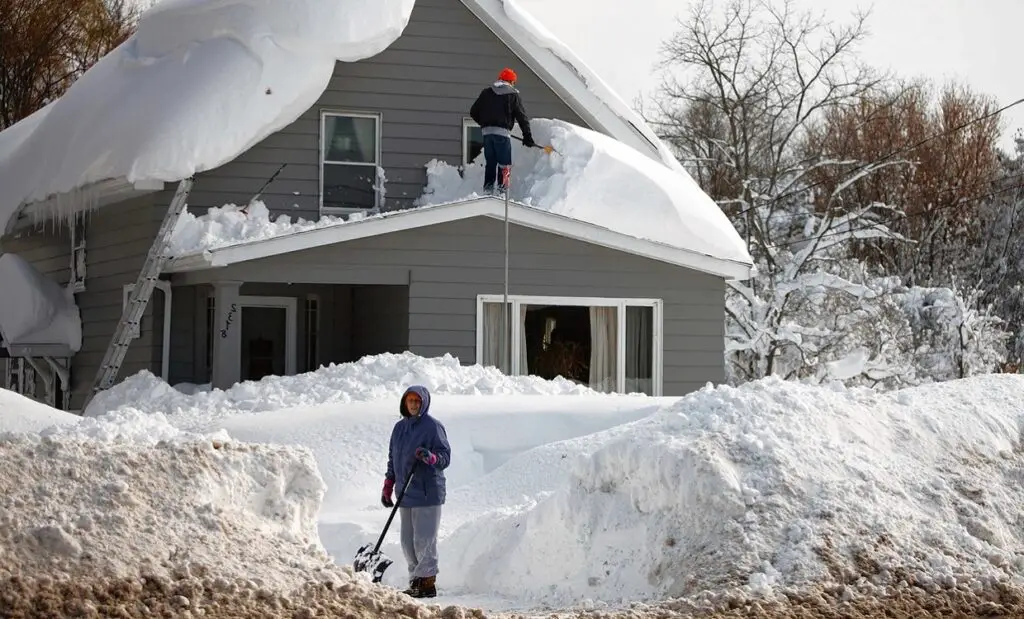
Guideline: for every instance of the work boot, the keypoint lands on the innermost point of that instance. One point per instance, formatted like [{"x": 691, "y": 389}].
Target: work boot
[
  {"x": 425, "y": 588},
  {"x": 414, "y": 587}
]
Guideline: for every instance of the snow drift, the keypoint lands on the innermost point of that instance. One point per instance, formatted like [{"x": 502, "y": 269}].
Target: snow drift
[
  {"x": 34, "y": 309},
  {"x": 597, "y": 179},
  {"x": 235, "y": 69},
  {"x": 773, "y": 484},
  {"x": 373, "y": 377}
]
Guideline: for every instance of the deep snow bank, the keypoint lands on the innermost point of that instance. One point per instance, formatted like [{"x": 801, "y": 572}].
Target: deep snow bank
[
  {"x": 199, "y": 83},
  {"x": 597, "y": 179},
  {"x": 21, "y": 414},
  {"x": 774, "y": 484},
  {"x": 373, "y": 377},
  {"x": 132, "y": 495}
]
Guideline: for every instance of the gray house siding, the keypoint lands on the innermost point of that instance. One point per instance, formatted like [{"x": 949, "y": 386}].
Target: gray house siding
[
  {"x": 118, "y": 238},
  {"x": 422, "y": 86},
  {"x": 448, "y": 265}
]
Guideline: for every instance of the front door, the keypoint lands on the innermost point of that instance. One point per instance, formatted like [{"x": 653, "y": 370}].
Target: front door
[{"x": 264, "y": 341}]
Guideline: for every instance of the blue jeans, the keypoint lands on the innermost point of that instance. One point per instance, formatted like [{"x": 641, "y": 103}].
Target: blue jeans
[{"x": 497, "y": 152}]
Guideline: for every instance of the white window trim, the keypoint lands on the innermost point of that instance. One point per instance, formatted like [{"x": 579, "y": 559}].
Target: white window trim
[
  {"x": 336, "y": 210},
  {"x": 290, "y": 305},
  {"x": 621, "y": 303},
  {"x": 467, "y": 124}
]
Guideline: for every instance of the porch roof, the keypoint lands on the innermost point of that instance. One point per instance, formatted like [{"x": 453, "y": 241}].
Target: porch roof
[{"x": 397, "y": 221}]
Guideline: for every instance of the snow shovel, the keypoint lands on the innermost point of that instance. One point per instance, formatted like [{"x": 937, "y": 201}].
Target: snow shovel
[
  {"x": 547, "y": 149},
  {"x": 374, "y": 561}
]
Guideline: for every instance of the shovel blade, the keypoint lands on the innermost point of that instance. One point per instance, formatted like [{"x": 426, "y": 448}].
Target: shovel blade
[{"x": 376, "y": 563}]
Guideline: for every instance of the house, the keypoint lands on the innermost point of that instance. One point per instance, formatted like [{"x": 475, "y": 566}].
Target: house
[{"x": 609, "y": 309}]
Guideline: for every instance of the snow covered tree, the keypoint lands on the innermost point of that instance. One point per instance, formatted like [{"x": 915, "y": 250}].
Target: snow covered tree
[
  {"x": 747, "y": 95},
  {"x": 46, "y": 44}
]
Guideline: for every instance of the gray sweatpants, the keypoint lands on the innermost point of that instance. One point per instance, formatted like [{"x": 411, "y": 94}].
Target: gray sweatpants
[{"x": 419, "y": 539}]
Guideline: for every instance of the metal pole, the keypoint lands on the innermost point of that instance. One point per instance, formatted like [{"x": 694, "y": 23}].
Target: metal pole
[{"x": 506, "y": 337}]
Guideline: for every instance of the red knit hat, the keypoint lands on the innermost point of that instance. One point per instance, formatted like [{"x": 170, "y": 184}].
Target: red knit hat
[{"x": 507, "y": 75}]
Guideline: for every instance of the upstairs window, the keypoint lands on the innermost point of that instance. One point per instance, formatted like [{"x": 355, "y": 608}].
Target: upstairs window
[
  {"x": 349, "y": 158},
  {"x": 472, "y": 141}
]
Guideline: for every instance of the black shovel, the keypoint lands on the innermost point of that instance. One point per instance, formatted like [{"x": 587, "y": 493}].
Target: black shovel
[{"x": 374, "y": 561}]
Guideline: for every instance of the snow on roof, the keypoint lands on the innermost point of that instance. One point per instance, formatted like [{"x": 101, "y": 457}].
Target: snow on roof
[
  {"x": 34, "y": 309},
  {"x": 590, "y": 178},
  {"x": 594, "y": 178},
  {"x": 199, "y": 83}
]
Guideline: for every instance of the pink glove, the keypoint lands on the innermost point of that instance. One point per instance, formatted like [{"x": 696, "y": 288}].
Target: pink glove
[
  {"x": 385, "y": 496},
  {"x": 425, "y": 456}
]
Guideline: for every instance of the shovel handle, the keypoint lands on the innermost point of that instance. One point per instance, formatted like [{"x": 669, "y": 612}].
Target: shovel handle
[{"x": 394, "y": 510}]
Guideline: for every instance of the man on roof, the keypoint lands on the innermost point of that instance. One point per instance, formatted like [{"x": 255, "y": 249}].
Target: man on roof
[{"x": 497, "y": 109}]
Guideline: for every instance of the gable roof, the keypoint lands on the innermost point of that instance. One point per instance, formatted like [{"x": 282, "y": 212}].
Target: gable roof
[
  {"x": 570, "y": 78},
  {"x": 397, "y": 221}
]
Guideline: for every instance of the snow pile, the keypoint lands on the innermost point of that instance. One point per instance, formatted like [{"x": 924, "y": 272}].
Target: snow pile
[
  {"x": 200, "y": 82},
  {"x": 83, "y": 504},
  {"x": 373, "y": 377},
  {"x": 21, "y": 414},
  {"x": 599, "y": 180},
  {"x": 34, "y": 309},
  {"x": 773, "y": 484},
  {"x": 232, "y": 224}
]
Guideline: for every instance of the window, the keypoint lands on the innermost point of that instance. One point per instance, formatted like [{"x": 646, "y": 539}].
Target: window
[
  {"x": 349, "y": 162},
  {"x": 472, "y": 141},
  {"x": 611, "y": 345}
]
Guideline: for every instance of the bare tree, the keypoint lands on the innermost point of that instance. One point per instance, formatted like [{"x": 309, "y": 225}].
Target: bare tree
[
  {"x": 45, "y": 45},
  {"x": 951, "y": 137},
  {"x": 741, "y": 95}
]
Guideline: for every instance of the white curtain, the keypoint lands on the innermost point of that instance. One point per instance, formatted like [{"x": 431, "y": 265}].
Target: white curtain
[
  {"x": 524, "y": 364},
  {"x": 492, "y": 336},
  {"x": 603, "y": 339},
  {"x": 639, "y": 350}
]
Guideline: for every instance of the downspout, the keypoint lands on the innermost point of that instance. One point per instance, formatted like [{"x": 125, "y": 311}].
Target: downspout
[{"x": 165, "y": 352}]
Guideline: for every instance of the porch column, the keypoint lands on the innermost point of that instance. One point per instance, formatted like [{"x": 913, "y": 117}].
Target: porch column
[{"x": 227, "y": 335}]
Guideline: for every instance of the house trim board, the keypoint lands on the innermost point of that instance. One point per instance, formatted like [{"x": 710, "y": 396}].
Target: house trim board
[{"x": 397, "y": 221}]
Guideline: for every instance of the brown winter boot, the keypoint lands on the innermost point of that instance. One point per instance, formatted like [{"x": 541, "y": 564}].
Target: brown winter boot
[
  {"x": 423, "y": 588},
  {"x": 426, "y": 587},
  {"x": 414, "y": 587}
]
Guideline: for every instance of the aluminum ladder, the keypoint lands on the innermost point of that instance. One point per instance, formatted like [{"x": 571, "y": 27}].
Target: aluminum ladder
[{"x": 138, "y": 298}]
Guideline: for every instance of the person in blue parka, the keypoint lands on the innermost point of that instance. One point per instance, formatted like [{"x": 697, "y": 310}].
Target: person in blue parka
[{"x": 419, "y": 446}]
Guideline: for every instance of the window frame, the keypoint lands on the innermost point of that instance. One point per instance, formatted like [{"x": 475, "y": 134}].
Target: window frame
[
  {"x": 657, "y": 329},
  {"x": 467, "y": 124},
  {"x": 378, "y": 119}
]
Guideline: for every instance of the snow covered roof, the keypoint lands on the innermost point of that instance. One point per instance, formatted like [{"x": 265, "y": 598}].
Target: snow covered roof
[
  {"x": 319, "y": 234},
  {"x": 35, "y": 312}
]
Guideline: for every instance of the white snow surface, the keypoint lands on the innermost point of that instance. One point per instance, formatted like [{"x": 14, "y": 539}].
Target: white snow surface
[
  {"x": 591, "y": 177},
  {"x": 375, "y": 377},
  {"x": 21, "y": 414},
  {"x": 597, "y": 179},
  {"x": 768, "y": 485},
  {"x": 34, "y": 309},
  {"x": 200, "y": 82}
]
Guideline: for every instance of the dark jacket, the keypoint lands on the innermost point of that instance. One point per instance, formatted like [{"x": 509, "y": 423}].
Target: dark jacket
[
  {"x": 499, "y": 105},
  {"x": 428, "y": 484}
]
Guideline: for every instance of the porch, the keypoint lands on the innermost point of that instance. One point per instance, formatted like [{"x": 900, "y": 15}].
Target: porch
[{"x": 228, "y": 332}]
